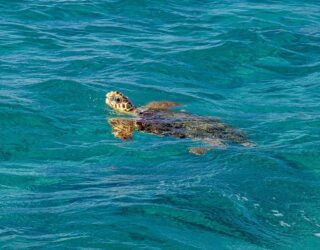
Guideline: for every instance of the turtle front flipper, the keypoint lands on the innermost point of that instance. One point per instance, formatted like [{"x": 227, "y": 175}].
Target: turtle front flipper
[
  {"x": 122, "y": 128},
  {"x": 162, "y": 105}
]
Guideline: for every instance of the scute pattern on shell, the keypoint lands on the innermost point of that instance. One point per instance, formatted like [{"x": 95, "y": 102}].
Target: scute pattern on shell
[{"x": 184, "y": 125}]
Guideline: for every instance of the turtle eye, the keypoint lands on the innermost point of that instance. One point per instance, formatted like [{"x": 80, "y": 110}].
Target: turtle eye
[{"x": 117, "y": 100}]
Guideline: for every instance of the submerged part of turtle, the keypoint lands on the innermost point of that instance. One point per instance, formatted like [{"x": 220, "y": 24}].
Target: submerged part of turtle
[{"x": 157, "y": 118}]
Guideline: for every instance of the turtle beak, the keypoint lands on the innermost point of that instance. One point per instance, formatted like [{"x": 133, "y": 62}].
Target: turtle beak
[{"x": 109, "y": 101}]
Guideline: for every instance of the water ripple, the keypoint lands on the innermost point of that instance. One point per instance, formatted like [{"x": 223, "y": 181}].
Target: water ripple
[{"x": 67, "y": 182}]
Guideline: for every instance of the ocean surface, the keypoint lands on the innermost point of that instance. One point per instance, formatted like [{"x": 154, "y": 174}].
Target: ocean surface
[{"x": 67, "y": 183}]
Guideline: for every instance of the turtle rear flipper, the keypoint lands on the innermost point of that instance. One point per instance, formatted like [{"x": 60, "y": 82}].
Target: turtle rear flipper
[
  {"x": 122, "y": 128},
  {"x": 215, "y": 142},
  {"x": 249, "y": 144},
  {"x": 199, "y": 150},
  {"x": 162, "y": 105}
]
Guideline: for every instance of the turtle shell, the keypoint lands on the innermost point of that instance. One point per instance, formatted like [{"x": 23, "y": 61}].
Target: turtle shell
[{"x": 185, "y": 125}]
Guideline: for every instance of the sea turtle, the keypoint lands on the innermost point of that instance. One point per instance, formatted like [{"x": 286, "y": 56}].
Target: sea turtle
[{"x": 158, "y": 118}]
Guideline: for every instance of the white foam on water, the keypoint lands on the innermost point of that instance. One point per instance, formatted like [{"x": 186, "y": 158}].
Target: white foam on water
[
  {"x": 276, "y": 213},
  {"x": 284, "y": 224}
]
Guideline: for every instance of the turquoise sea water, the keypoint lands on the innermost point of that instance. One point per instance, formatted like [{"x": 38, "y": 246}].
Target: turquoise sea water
[{"x": 67, "y": 183}]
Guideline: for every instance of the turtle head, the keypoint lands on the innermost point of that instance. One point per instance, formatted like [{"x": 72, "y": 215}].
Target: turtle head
[{"x": 119, "y": 102}]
